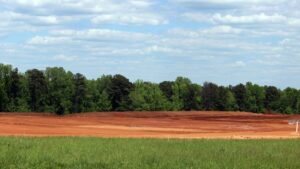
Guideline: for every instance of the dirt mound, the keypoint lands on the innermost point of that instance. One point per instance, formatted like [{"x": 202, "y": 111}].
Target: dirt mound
[{"x": 150, "y": 125}]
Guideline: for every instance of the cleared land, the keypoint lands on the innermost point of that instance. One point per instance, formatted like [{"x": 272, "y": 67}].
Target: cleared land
[{"x": 240, "y": 125}]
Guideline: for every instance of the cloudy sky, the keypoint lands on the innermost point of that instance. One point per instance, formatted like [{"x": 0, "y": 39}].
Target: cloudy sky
[{"x": 223, "y": 41}]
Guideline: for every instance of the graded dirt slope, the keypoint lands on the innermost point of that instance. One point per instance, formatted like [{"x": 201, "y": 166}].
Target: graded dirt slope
[{"x": 239, "y": 125}]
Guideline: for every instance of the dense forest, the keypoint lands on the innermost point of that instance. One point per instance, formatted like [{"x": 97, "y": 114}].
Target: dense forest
[{"x": 62, "y": 92}]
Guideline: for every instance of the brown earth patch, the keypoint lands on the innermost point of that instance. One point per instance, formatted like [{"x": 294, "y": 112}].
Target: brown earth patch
[{"x": 204, "y": 124}]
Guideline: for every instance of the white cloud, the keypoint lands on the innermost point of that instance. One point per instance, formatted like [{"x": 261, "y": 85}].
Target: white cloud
[
  {"x": 218, "y": 34},
  {"x": 33, "y": 3},
  {"x": 223, "y": 29},
  {"x": 260, "y": 18},
  {"x": 38, "y": 13},
  {"x": 141, "y": 3},
  {"x": 49, "y": 19},
  {"x": 285, "y": 41},
  {"x": 162, "y": 49},
  {"x": 238, "y": 64},
  {"x": 92, "y": 40},
  {"x": 268, "y": 62},
  {"x": 19, "y": 18},
  {"x": 207, "y": 32},
  {"x": 196, "y": 16},
  {"x": 65, "y": 58},
  {"x": 47, "y": 40},
  {"x": 229, "y": 4},
  {"x": 141, "y": 19},
  {"x": 102, "y": 35}
]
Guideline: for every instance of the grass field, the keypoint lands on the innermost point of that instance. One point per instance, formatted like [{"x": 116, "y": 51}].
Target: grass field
[{"x": 75, "y": 152}]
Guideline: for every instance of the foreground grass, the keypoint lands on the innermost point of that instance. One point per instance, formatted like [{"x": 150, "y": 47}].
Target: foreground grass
[{"x": 93, "y": 153}]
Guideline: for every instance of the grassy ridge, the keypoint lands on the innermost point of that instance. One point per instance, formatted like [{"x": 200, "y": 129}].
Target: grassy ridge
[{"x": 76, "y": 153}]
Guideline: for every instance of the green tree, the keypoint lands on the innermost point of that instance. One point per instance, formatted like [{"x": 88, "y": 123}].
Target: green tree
[
  {"x": 289, "y": 101},
  {"x": 5, "y": 72},
  {"x": 103, "y": 99},
  {"x": 119, "y": 91},
  {"x": 272, "y": 96},
  {"x": 231, "y": 104},
  {"x": 166, "y": 88},
  {"x": 22, "y": 104},
  {"x": 241, "y": 97},
  {"x": 222, "y": 98},
  {"x": 3, "y": 97},
  {"x": 80, "y": 92},
  {"x": 37, "y": 87},
  {"x": 14, "y": 85},
  {"x": 186, "y": 96},
  {"x": 90, "y": 102},
  {"x": 298, "y": 105},
  {"x": 147, "y": 97},
  {"x": 194, "y": 100},
  {"x": 104, "y": 102},
  {"x": 256, "y": 97},
  {"x": 210, "y": 96},
  {"x": 60, "y": 90},
  {"x": 225, "y": 100},
  {"x": 17, "y": 92}
]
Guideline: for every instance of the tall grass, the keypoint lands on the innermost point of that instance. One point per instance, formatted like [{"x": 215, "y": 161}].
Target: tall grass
[{"x": 75, "y": 153}]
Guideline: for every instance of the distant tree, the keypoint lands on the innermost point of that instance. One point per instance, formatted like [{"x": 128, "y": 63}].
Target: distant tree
[
  {"x": 80, "y": 91},
  {"x": 37, "y": 86},
  {"x": 166, "y": 88},
  {"x": 193, "y": 100},
  {"x": 60, "y": 90},
  {"x": 272, "y": 96},
  {"x": 210, "y": 96},
  {"x": 119, "y": 91},
  {"x": 222, "y": 98},
  {"x": 256, "y": 97},
  {"x": 18, "y": 92},
  {"x": 231, "y": 104},
  {"x": 241, "y": 97},
  {"x": 14, "y": 85},
  {"x": 104, "y": 100},
  {"x": 5, "y": 72},
  {"x": 147, "y": 97},
  {"x": 298, "y": 105},
  {"x": 55, "y": 90},
  {"x": 3, "y": 97},
  {"x": 91, "y": 98},
  {"x": 186, "y": 96},
  {"x": 288, "y": 101},
  {"x": 104, "y": 83}
]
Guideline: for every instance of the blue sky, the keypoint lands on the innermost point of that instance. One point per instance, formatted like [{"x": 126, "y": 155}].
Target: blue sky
[{"x": 222, "y": 41}]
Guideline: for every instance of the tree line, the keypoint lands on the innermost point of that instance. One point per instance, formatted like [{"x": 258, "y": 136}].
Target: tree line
[{"x": 62, "y": 92}]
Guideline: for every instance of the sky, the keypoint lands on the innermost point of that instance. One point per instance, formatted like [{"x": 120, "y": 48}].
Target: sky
[{"x": 220, "y": 41}]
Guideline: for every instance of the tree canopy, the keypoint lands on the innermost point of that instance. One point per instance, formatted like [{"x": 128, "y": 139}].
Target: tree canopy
[{"x": 62, "y": 92}]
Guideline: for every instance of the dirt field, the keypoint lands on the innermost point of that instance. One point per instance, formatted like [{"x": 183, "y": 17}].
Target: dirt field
[{"x": 150, "y": 125}]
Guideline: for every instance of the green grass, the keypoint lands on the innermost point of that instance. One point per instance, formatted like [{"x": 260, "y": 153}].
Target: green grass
[{"x": 74, "y": 152}]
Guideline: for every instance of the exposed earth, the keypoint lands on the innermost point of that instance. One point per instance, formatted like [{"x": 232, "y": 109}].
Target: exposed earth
[{"x": 204, "y": 124}]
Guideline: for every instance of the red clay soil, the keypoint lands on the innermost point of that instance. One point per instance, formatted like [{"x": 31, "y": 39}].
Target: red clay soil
[{"x": 236, "y": 125}]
